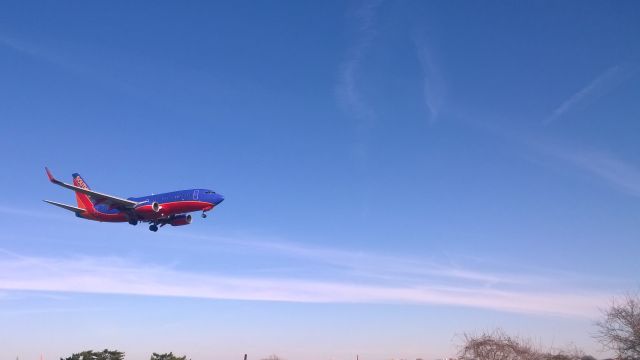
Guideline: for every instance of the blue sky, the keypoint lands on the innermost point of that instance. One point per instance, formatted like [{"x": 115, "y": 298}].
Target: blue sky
[{"x": 395, "y": 173}]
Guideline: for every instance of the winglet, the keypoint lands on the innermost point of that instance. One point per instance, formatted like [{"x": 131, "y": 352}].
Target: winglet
[
  {"x": 51, "y": 178},
  {"x": 50, "y": 175}
]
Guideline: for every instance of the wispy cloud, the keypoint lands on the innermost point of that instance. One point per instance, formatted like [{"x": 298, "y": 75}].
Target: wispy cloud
[
  {"x": 52, "y": 56},
  {"x": 439, "y": 269},
  {"x": 9, "y": 210},
  {"x": 314, "y": 274},
  {"x": 616, "y": 172},
  {"x": 32, "y": 50},
  {"x": 598, "y": 87},
  {"x": 349, "y": 94},
  {"x": 374, "y": 266},
  {"x": 620, "y": 174},
  {"x": 69, "y": 63},
  {"x": 347, "y": 90},
  {"x": 122, "y": 276},
  {"x": 434, "y": 86}
]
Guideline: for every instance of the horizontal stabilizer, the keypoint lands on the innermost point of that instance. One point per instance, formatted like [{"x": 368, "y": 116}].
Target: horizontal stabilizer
[
  {"x": 103, "y": 198},
  {"x": 66, "y": 207}
]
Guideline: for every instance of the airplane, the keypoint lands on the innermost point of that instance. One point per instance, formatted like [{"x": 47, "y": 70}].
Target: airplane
[{"x": 170, "y": 208}]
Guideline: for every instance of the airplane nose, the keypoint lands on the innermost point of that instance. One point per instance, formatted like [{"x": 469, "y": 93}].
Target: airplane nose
[{"x": 217, "y": 199}]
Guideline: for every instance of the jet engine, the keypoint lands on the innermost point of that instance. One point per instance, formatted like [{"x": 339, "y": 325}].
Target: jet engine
[
  {"x": 180, "y": 220},
  {"x": 155, "y": 207}
]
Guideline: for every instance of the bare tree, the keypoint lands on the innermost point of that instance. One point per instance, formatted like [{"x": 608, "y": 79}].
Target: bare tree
[
  {"x": 272, "y": 357},
  {"x": 497, "y": 345},
  {"x": 169, "y": 356},
  {"x": 620, "y": 329}
]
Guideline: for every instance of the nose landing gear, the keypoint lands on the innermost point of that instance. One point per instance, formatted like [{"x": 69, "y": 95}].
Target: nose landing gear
[{"x": 204, "y": 215}]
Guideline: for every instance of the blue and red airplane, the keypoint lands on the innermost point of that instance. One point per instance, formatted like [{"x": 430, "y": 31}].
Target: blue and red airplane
[{"x": 169, "y": 208}]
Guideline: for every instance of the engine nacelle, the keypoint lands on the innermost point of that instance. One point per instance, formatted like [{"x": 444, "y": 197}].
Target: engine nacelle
[
  {"x": 155, "y": 207},
  {"x": 180, "y": 220}
]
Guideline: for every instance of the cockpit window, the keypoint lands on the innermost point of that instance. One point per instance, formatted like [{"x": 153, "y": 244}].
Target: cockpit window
[{"x": 209, "y": 192}]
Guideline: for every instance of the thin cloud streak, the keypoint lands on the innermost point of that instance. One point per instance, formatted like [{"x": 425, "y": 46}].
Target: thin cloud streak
[
  {"x": 357, "y": 263},
  {"x": 360, "y": 267},
  {"x": 347, "y": 90},
  {"x": 375, "y": 266},
  {"x": 68, "y": 63},
  {"x": 621, "y": 175},
  {"x": 119, "y": 276},
  {"x": 434, "y": 89},
  {"x": 406, "y": 269},
  {"x": 9, "y": 210},
  {"x": 34, "y": 51},
  {"x": 600, "y": 86}
]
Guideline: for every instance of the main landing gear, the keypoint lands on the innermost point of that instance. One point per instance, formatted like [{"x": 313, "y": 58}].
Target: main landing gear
[{"x": 153, "y": 227}]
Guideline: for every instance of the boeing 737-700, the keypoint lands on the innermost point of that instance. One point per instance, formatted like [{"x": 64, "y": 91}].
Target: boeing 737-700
[{"x": 158, "y": 210}]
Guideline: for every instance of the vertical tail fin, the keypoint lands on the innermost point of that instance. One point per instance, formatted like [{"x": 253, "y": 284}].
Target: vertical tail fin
[{"x": 84, "y": 202}]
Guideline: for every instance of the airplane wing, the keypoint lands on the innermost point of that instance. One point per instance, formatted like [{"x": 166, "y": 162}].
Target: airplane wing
[
  {"x": 124, "y": 203},
  {"x": 65, "y": 206}
]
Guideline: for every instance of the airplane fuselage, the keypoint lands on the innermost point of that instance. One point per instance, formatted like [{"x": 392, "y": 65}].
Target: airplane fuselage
[{"x": 157, "y": 206}]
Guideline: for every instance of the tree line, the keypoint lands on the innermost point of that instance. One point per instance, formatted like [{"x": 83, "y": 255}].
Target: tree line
[
  {"x": 618, "y": 331},
  {"x": 107, "y": 354}
]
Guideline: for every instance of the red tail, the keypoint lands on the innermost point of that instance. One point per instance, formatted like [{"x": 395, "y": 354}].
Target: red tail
[{"x": 84, "y": 202}]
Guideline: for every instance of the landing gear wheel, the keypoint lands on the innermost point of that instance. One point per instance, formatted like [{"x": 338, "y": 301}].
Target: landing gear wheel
[
  {"x": 204, "y": 215},
  {"x": 133, "y": 222},
  {"x": 153, "y": 228}
]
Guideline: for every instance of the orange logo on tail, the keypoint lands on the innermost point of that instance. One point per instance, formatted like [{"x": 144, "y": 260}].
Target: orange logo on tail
[{"x": 80, "y": 183}]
